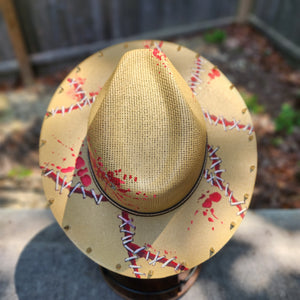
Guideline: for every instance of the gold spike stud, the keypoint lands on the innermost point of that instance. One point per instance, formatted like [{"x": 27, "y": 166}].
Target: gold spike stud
[
  {"x": 246, "y": 197},
  {"x": 232, "y": 225},
  {"x": 211, "y": 251},
  {"x": 252, "y": 168},
  {"x": 244, "y": 110},
  {"x": 89, "y": 250},
  {"x": 150, "y": 274},
  {"x": 250, "y": 137},
  {"x": 50, "y": 201},
  {"x": 43, "y": 142},
  {"x": 48, "y": 114},
  {"x": 118, "y": 266},
  {"x": 67, "y": 227},
  {"x": 179, "y": 48}
]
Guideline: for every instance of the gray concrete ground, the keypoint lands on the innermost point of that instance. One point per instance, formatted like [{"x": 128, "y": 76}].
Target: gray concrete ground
[{"x": 39, "y": 262}]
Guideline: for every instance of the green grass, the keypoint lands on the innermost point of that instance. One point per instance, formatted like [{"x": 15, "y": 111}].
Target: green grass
[
  {"x": 216, "y": 36},
  {"x": 19, "y": 172},
  {"x": 287, "y": 119},
  {"x": 252, "y": 103},
  {"x": 277, "y": 141}
]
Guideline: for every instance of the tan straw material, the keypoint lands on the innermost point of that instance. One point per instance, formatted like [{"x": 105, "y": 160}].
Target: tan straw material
[
  {"x": 153, "y": 126},
  {"x": 148, "y": 158}
]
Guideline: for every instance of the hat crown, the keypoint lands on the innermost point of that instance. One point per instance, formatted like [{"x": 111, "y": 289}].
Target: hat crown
[{"x": 146, "y": 135}]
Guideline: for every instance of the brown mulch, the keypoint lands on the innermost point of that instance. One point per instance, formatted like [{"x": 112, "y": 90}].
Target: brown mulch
[{"x": 276, "y": 82}]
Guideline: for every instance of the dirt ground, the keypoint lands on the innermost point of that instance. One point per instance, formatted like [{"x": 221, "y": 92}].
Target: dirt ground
[{"x": 247, "y": 58}]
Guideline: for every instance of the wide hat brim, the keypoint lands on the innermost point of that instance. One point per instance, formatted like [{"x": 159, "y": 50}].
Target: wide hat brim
[{"x": 159, "y": 246}]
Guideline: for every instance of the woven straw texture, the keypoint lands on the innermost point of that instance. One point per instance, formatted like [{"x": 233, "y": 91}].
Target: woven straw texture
[{"x": 146, "y": 122}]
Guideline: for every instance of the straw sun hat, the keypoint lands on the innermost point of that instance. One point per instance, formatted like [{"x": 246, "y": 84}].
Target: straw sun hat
[{"x": 148, "y": 158}]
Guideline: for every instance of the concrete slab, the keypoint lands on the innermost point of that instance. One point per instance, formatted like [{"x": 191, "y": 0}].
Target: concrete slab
[{"x": 39, "y": 262}]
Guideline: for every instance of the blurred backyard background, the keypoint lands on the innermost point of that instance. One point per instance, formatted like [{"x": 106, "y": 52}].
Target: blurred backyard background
[{"x": 255, "y": 43}]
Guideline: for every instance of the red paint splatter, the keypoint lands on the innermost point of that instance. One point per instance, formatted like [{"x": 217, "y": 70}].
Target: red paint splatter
[
  {"x": 76, "y": 191},
  {"x": 114, "y": 183},
  {"x": 212, "y": 212},
  {"x": 86, "y": 180},
  {"x": 214, "y": 73},
  {"x": 124, "y": 191},
  {"x": 82, "y": 172},
  {"x": 77, "y": 93},
  {"x": 194, "y": 80},
  {"x": 114, "y": 180},
  {"x": 226, "y": 122},
  {"x": 188, "y": 228},
  {"x": 214, "y": 197},
  {"x": 147, "y": 44},
  {"x": 213, "y": 228},
  {"x": 94, "y": 93},
  {"x": 217, "y": 167},
  {"x": 159, "y": 55},
  {"x": 67, "y": 170},
  {"x": 79, "y": 163}
]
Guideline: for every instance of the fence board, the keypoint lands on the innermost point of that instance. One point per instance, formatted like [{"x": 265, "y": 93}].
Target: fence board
[
  {"x": 54, "y": 24},
  {"x": 6, "y": 49},
  {"x": 282, "y": 16},
  {"x": 97, "y": 13},
  {"x": 50, "y": 26}
]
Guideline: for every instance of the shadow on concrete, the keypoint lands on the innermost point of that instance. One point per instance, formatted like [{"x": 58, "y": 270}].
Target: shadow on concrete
[
  {"x": 220, "y": 279},
  {"x": 288, "y": 219},
  {"x": 51, "y": 267},
  {"x": 4, "y": 284}
]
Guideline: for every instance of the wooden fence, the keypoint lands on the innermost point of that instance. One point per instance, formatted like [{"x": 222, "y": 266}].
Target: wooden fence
[
  {"x": 280, "y": 20},
  {"x": 59, "y": 30}
]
